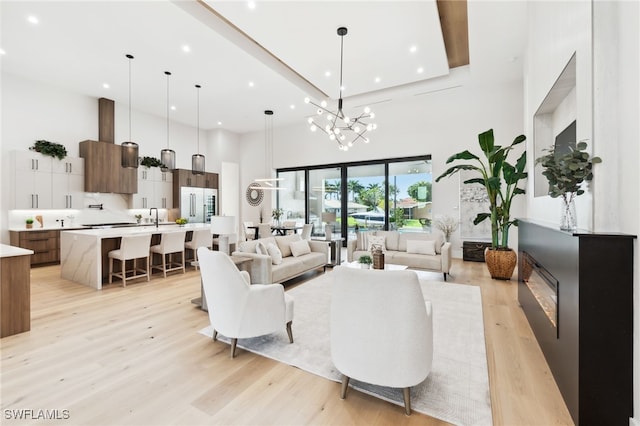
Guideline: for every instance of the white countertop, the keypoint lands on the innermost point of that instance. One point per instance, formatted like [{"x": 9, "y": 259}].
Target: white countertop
[
  {"x": 136, "y": 230},
  {"x": 11, "y": 251},
  {"x": 74, "y": 227}
]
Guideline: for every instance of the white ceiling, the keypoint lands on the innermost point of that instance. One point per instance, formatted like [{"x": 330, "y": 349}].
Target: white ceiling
[{"x": 283, "y": 47}]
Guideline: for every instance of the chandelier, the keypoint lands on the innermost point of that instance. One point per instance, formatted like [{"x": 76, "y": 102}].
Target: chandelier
[{"x": 339, "y": 127}]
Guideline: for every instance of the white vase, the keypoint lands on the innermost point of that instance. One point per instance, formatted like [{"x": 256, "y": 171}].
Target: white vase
[{"x": 568, "y": 219}]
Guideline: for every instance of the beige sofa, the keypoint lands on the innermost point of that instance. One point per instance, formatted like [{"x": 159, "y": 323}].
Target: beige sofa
[
  {"x": 413, "y": 249},
  {"x": 263, "y": 269}
]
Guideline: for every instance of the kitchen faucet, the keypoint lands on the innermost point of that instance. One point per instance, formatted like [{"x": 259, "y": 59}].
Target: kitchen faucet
[{"x": 156, "y": 209}]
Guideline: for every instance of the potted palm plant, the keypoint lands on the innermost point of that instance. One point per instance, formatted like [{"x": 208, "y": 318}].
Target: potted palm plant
[{"x": 500, "y": 178}]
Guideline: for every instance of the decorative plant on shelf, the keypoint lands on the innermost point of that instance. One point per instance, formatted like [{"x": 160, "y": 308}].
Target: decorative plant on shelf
[
  {"x": 565, "y": 173},
  {"x": 29, "y": 222},
  {"x": 365, "y": 261},
  {"x": 447, "y": 224},
  {"x": 138, "y": 218},
  {"x": 51, "y": 149},
  {"x": 151, "y": 162},
  {"x": 500, "y": 179}
]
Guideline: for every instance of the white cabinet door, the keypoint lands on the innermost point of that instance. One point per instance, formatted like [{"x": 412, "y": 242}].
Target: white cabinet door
[
  {"x": 163, "y": 195},
  {"x": 32, "y": 180},
  {"x": 67, "y": 183}
]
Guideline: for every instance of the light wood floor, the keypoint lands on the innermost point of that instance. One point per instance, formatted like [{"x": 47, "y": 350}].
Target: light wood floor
[{"x": 132, "y": 356}]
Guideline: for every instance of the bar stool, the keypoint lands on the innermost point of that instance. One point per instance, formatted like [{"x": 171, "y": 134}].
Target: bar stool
[
  {"x": 200, "y": 238},
  {"x": 132, "y": 247},
  {"x": 170, "y": 242}
]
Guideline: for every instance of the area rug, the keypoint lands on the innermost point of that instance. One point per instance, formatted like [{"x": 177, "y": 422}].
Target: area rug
[{"x": 456, "y": 390}]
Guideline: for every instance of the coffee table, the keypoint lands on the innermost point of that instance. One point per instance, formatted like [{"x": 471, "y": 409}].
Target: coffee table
[{"x": 387, "y": 266}]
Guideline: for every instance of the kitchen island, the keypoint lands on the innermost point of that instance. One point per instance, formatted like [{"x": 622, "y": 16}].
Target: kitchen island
[
  {"x": 15, "y": 290},
  {"x": 84, "y": 253}
]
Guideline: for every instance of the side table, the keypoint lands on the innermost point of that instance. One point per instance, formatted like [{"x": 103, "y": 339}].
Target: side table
[{"x": 335, "y": 244}]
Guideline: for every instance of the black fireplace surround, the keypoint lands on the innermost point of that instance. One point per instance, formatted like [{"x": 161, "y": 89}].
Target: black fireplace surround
[{"x": 589, "y": 346}]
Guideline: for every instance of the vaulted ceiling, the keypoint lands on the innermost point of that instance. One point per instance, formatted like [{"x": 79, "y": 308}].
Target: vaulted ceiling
[{"x": 252, "y": 56}]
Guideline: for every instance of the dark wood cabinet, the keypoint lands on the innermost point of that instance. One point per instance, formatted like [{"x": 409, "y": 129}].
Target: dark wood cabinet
[
  {"x": 185, "y": 178},
  {"x": 473, "y": 251},
  {"x": 15, "y": 295},
  {"x": 103, "y": 171},
  {"x": 45, "y": 245},
  {"x": 211, "y": 180},
  {"x": 589, "y": 349}
]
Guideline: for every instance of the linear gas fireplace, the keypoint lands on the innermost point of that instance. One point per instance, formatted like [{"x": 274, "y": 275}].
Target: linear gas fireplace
[
  {"x": 576, "y": 290},
  {"x": 543, "y": 286}
]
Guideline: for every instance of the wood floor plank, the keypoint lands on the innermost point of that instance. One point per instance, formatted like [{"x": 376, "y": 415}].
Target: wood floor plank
[{"x": 132, "y": 356}]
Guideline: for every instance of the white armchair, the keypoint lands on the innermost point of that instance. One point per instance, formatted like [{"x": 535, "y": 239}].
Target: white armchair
[
  {"x": 238, "y": 309},
  {"x": 381, "y": 329}
]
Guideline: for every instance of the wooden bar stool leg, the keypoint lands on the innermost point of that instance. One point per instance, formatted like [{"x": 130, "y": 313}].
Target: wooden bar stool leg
[{"x": 110, "y": 270}]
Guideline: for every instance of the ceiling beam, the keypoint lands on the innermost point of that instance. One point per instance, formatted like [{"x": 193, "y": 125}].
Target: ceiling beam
[{"x": 455, "y": 31}]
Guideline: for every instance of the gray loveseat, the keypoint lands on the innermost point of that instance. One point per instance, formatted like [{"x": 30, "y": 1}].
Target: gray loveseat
[
  {"x": 418, "y": 250},
  {"x": 264, "y": 271}
]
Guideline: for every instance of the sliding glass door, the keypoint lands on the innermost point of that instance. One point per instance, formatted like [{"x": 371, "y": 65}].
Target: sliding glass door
[{"x": 384, "y": 194}]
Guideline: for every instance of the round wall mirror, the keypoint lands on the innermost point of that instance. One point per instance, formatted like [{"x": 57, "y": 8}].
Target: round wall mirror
[{"x": 255, "y": 194}]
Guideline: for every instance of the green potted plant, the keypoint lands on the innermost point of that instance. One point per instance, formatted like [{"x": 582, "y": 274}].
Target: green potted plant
[
  {"x": 500, "y": 178},
  {"x": 565, "y": 173},
  {"x": 29, "y": 222},
  {"x": 151, "y": 162},
  {"x": 138, "y": 218},
  {"x": 365, "y": 261},
  {"x": 51, "y": 149}
]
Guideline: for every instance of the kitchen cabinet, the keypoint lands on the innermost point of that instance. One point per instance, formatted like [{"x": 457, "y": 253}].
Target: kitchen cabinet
[
  {"x": 45, "y": 245},
  {"x": 32, "y": 180},
  {"x": 67, "y": 180},
  {"x": 103, "y": 172},
  {"x": 211, "y": 180},
  {"x": 154, "y": 189},
  {"x": 43, "y": 182}
]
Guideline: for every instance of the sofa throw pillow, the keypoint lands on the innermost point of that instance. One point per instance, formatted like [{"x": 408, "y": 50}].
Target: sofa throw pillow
[
  {"x": 362, "y": 237},
  {"x": 377, "y": 240},
  {"x": 298, "y": 248},
  {"x": 261, "y": 248},
  {"x": 284, "y": 242},
  {"x": 274, "y": 252},
  {"x": 421, "y": 247}
]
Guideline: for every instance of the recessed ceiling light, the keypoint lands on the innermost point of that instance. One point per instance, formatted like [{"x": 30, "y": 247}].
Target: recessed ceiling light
[
  {"x": 219, "y": 123},
  {"x": 32, "y": 19},
  {"x": 251, "y": 5},
  {"x": 173, "y": 107},
  {"x": 186, "y": 48},
  {"x": 2, "y": 52},
  {"x": 251, "y": 84},
  {"x": 292, "y": 106},
  {"x": 327, "y": 73},
  {"x": 105, "y": 85},
  {"x": 420, "y": 70},
  {"x": 377, "y": 79},
  {"x": 413, "y": 49}
]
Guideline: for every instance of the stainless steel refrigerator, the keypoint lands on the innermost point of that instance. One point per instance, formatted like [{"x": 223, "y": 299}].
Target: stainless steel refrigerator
[{"x": 198, "y": 204}]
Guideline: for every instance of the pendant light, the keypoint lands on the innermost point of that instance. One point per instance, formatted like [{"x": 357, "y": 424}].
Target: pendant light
[
  {"x": 167, "y": 156},
  {"x": 197, "y": 160},
  {"x": 129, "y": 149},
  {"x": 268, "y": 182}
]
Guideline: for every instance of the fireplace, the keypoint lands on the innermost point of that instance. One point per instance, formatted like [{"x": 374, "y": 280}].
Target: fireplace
[
  {"x": 576, "y": 290},
  {"x": 543, "y": 286}
]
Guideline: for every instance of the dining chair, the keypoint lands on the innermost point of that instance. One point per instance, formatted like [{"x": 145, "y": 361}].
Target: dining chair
[
  {"x": 264, "y": 230},
  {"x": 170, "y": 243},
  {"x": 306, "y": 231},
  {"x": 249, "y": 233},
  {"x": 132, "y": 247}
]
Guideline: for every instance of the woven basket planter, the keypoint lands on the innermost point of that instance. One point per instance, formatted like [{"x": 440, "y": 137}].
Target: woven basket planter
[{"x": 500, "y": 262}]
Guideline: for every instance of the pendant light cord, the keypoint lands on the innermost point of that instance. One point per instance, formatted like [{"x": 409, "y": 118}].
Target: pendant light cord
[
  {"x": 168, "y": 74},
  {"x": 198, "y": 116},
  {"x": 130, "y": 58}
]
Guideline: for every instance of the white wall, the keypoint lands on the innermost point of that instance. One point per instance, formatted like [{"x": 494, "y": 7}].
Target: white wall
[
  {"x": 440, "y": 124},
  {"x": 606, "y": 38},
  {"x": 34, "y": 110}
]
